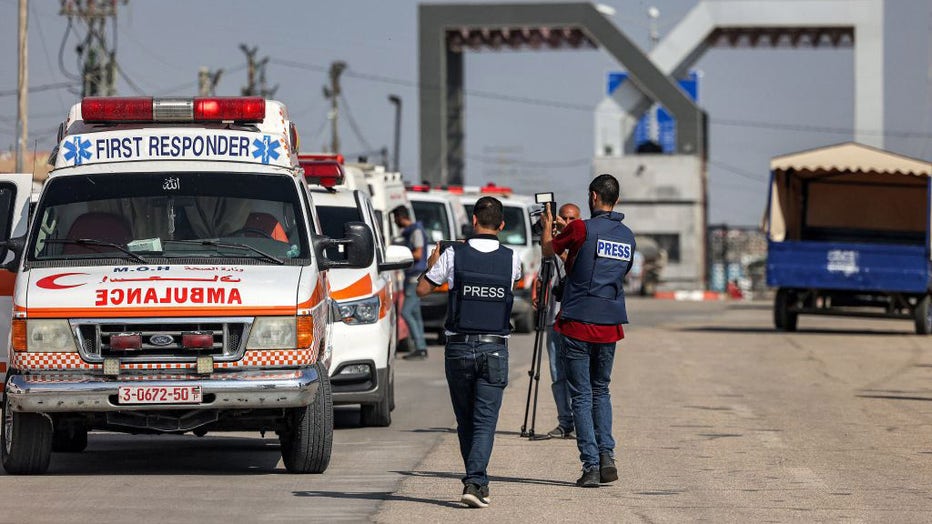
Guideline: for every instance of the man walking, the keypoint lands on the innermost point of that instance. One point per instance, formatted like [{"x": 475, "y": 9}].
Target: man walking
[
  {"x": 415, "y": 239},
  {"x": 600, "y": 251},
  {"x": 481, "y": 274}
]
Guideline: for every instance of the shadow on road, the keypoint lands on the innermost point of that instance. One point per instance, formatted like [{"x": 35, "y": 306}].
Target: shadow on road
[
  {"x": 112, "y": 454},
  {"x": 373, "y": 495},
  {"x": 492, "y": 478},
  {"x": 772, "y": 331}
]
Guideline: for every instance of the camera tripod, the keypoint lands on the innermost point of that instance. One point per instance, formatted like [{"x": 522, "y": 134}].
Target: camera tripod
[{"x": 540, "y": 326}]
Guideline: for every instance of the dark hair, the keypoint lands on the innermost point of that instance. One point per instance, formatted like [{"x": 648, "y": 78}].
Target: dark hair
[
  {"x": 488, "y": 212},
  {"x": 606, "y": 186},
  {"x": 401, "y": 212}
]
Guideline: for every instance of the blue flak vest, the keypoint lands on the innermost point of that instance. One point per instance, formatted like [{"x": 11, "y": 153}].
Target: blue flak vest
[
  {"x": 594, "y": 290},
  {"x": 481, "y": 295},
  {"x": 419, "y": 265}
]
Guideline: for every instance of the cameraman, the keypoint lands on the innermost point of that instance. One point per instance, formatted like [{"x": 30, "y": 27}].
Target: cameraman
[
  {"x": 481, "y": 274},
  {"x": 593, "y": 312},
  {"x": 560, "y": 387}
]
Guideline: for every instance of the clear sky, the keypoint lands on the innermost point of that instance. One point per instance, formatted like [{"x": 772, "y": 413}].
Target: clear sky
[{"x": 161, "y": 44}]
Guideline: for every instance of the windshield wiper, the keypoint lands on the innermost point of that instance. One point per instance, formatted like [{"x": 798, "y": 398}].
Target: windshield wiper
[
  {"x": 218, "y": 244},
  {"x": 95, "y": 242}
]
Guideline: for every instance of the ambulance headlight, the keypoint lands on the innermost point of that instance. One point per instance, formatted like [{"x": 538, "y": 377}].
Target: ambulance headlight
[
  {"x": 49, "y": 335},
  {"x": 365, "y": 311},
  {"x": 272, "y": 333}
]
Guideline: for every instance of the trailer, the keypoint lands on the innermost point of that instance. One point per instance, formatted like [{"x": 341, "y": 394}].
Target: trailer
[{"x": 848, "y": 234}]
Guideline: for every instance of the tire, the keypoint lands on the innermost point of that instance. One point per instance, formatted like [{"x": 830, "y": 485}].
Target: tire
[
  {"x": 71, "y": 439},
  {"x": 922, "y": 315},
  {"x": 308, "y": 439},
  {"x": 525, "y": 322},
  {"x": 25, "y": 442},
  {"x": 783, "y": 318},
  {"x": 378, "y": 414}
]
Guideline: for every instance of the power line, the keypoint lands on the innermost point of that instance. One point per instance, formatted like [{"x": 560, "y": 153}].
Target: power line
[
  {"x": 736, "y": 170},
  {"x": 42, "y": 87},
  {"x": 352, "y": 123}
]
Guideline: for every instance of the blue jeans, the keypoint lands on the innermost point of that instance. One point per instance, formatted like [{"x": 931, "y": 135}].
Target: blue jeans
[
  {"x": 477, "y": 375},
  {"x": 589, "y": 371},
  {"x": 411, "y": 312},
  {"x": 560, "y": 386}
]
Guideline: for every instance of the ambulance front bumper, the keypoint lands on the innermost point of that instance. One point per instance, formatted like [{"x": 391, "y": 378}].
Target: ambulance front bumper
[{"x": 67, "y": 392}]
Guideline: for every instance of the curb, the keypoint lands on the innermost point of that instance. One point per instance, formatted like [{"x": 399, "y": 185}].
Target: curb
[{"x": 692, "y": 296}]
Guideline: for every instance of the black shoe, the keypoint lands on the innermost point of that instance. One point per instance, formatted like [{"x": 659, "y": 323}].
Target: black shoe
[
  {"x": 559, "y": 432},
  {"x": 416, "y": 355},
  {"x": 589, "y": 479},
  {"x": 607, "y": 470},
  {"x": 472, "y": 496},
  {"x": 484, "y": 491}
]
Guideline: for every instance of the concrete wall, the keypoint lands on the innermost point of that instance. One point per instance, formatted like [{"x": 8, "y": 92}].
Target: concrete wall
[{"x": 663, "y": 194}]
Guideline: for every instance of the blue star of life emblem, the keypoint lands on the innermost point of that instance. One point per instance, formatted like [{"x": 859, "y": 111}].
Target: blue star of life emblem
[
  {"x": 77, "y": 150},
  {"x": 265, "y": 148}
]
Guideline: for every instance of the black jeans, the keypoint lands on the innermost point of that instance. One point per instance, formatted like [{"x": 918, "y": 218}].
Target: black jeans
[{"x": 477, "y": 374}]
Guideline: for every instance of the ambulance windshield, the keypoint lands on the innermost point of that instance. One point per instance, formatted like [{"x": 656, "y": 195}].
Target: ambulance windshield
[{"x": 150, "y": 217}]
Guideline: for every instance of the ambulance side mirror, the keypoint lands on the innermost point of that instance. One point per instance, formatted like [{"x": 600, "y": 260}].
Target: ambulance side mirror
[
  {"x": 466, "y": 230},
  {"x": 358, "y": 244},
  {"x": 397, "y": 257},
  {"x": 15, "y": 247}
]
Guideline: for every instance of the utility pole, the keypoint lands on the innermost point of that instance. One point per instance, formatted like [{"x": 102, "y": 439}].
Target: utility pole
[
  {"x": 250, "y": 89},
  {"x": 207, "y": 81},
  {"x": 333, "y": 94},
  {"x": 98, "y": 71},
  {"x": 22, "y": 91},
  {"x": 653, "y": 125},
  {"x": 396, "y": 161}
]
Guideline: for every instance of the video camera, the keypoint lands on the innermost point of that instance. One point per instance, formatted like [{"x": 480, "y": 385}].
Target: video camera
[{"x": 545, "y": 199}]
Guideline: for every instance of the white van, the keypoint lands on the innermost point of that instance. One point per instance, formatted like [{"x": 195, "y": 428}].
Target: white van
[
  {"x": 364, "y": 313},
  {"x": 516, "y": 235},
  {"x": 173, "y": 280}
]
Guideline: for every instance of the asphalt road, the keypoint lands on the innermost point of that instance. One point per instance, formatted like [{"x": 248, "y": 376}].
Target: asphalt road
[{"x": 719, "y": 418}]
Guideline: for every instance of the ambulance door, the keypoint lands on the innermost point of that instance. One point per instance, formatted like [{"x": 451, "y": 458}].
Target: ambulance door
[{"x": 15, "y": 190}]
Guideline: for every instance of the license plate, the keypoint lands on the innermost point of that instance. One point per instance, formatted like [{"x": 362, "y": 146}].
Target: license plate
[{"x": 159, "y": 394}]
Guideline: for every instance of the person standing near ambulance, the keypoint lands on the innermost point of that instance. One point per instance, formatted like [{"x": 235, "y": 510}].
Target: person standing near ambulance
[
  {"x": 415, "y": 239},
  {"x": 591, "y": 320},
  {"x": 481, "y": 274}
]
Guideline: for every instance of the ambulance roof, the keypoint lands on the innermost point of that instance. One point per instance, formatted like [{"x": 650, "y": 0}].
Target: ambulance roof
[{"x": 110, "y": 130}]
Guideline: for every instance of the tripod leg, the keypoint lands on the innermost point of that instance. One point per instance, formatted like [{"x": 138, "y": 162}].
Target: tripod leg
[
  {"x": 535, "y": 356},
  {"x": 539, "y": 350}
]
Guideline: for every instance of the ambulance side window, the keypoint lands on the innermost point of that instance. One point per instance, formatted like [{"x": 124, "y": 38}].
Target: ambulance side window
[
  {"x": 376, "y": 232},
  {"x": 7, "y": 198}
]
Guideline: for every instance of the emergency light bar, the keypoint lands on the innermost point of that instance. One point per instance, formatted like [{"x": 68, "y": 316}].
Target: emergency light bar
[
  {"x": 327, "y": 173},
  {"x": 491, "y": 188},
  {"x": 420, "y": 188},
  {"x": 107, "y": 109},
  {"x": 312, "y": 157}
]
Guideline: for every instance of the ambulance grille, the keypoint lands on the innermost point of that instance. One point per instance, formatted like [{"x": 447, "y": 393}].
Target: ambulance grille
[{"x": 162, "y": 342}]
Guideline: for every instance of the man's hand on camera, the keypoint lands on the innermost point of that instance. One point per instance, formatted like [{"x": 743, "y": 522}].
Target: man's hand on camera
[{"x": 546, "y": 219}]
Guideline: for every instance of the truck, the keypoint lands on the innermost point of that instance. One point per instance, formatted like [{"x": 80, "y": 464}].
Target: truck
[
  {"x": 173, "y": 279},
  {"x": 848, "y": 234}
]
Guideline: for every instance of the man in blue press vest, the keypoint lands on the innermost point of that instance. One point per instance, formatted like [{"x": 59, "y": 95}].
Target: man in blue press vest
[
  {"x": 481, "y": 274},
  {"x": 601, "y": 250},
  {"x": 415, "y": 239}
]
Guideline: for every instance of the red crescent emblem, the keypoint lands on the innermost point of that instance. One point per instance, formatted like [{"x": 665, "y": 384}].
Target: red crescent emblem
[{"x": 49, "y": 281}]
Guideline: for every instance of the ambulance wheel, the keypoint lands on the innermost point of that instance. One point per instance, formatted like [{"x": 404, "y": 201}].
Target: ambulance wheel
[
  {"x": 70, "y": 439},
  {"x": 308, "y": 438},
  {"x": 783, "y": 318},
  {"x": 378, "y": 414},
  {"x": 524, "y": 323},
  {"x": 25, "y": 442},
  {"x": 922, "y": 314}
]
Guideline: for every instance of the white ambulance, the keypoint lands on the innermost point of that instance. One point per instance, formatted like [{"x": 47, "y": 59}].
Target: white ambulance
[
  {"x": 173, "y": 280},
  {"x": 364, "y": 314}
]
